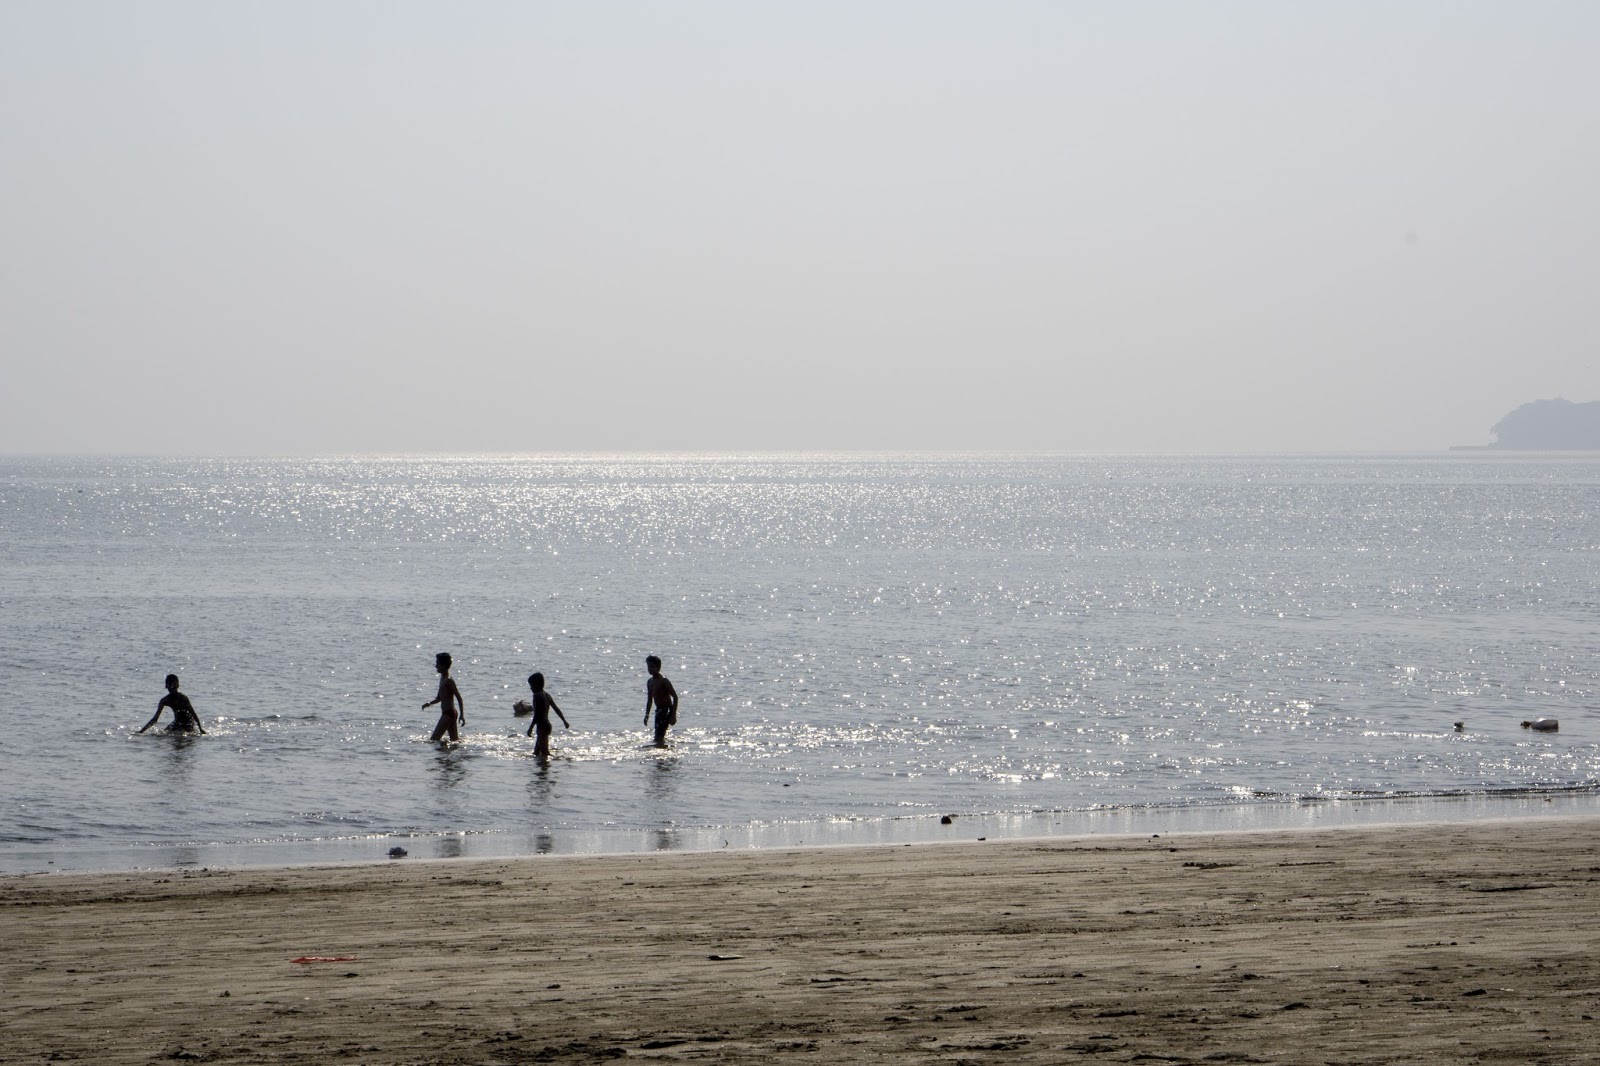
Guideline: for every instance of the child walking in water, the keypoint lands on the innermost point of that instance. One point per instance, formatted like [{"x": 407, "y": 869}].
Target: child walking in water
[
  {"x": 658, "y": 692},
  {"x": 452, "y": 708},
  {"x": 184, "y": 718},
  {"x": 543, "y": 704}
]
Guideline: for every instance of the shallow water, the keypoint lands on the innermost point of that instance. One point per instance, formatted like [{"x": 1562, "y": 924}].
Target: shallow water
[{"x": 862, "y": 643}]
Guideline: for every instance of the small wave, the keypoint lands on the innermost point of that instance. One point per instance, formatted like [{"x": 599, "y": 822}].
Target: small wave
[
  {"x": 268, "y": 718},
  {"x": 1508, "y": 792}
]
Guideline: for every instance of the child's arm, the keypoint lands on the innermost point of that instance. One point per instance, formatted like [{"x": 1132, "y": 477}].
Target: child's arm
[
  {"x": 461, "y": 704},
  {"x": 559, "y": 715},
  {"x": 153, "y": 717}
]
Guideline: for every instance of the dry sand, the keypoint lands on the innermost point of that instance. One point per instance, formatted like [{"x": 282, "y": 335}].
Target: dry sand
[{"x": 1433, "y": 944}]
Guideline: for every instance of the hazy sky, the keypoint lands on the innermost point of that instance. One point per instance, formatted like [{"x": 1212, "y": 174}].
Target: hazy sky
[{"x": 296, "y": 227}]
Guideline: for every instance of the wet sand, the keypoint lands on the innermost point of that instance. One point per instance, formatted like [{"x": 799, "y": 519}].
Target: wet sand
[{"x": 1458, "y": 943}]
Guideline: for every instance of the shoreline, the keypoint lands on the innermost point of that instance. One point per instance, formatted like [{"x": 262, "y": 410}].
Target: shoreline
[
  {"x": 1258, "y": 816},
  {"x": 1458, "y": 942}
]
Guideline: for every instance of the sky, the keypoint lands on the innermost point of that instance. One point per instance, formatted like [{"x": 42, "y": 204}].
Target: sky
[{"x": 306, "y": 227}]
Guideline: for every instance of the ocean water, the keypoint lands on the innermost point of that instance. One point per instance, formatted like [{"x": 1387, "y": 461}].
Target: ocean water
[{"x": 862, "y": 643}]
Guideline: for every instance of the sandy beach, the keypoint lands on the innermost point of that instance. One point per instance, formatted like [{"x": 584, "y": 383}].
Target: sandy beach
[{"x": 1419, "y": 944}]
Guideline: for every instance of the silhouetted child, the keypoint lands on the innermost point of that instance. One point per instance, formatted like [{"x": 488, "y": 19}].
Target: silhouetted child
[
  {"x": 452, "y": 708},
  {"x": 543, "y": 704},
  {"x": 658, "y": 692},
  {"x": 184, "y": 718}
]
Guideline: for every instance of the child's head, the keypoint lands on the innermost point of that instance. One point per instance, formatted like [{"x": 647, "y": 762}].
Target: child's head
[
  {"x": 536, "y": 681},
  {"x": 652, "y": 663},
  {"x": 441, "y": 662},
  {"x": 172, "y": 682}
]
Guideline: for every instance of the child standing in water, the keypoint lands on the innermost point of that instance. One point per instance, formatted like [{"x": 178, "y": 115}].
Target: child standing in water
[
  {"x": 658, "y": 692},
  {"x": 452, "y": 708},
  {"x": 543, "y": 704},
  {"x": 184, "y": 719}
]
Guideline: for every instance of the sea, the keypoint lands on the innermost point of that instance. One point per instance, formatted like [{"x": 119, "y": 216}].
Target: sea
[{"x": 869, "y": 648}]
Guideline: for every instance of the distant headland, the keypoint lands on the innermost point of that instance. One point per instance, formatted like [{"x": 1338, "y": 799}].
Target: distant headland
[{"x": 1546, "y": 426}]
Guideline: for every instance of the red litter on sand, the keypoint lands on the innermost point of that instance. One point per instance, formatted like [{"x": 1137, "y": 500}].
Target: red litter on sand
[{"x": 325, "y": 958}]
